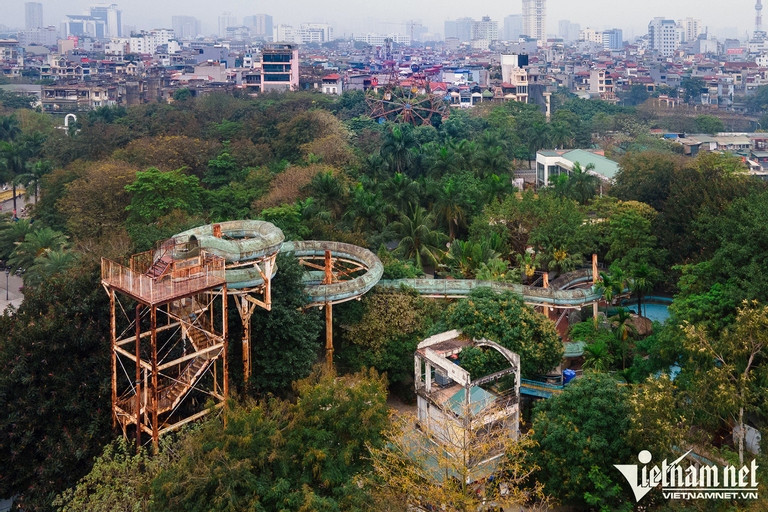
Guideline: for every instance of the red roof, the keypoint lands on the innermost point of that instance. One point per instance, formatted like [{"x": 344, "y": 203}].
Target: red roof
[{"x": 332, "y": 76}]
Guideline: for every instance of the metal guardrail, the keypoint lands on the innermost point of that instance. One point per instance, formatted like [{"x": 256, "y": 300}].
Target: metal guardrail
[{"x": 207, "y": 272}]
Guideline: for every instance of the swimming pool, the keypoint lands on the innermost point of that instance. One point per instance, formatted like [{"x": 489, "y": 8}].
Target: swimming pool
[{"x": 654, "y": 312}]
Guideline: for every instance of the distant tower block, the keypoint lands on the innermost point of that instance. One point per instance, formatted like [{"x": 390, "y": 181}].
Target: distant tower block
[{"x": 759, "y": 16}]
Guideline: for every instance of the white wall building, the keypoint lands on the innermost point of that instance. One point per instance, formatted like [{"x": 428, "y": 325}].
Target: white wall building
[
  {"x": 284, "y": 34},
  {"x": 663, "y": 36},
  {"x": 317, "y": 33},
  {"x": 591, "y": 35},
  {"x": 535, "y": 19},
  {"x": 148, "y": 42}
]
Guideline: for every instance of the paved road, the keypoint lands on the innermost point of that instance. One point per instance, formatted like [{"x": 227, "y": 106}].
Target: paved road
[
  {"x": 7, "y": 206},
  {"x": 13, "y": 291}
]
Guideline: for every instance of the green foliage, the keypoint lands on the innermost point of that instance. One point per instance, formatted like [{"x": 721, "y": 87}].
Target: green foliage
[
  {"x": 727, "y": 365},
  {"x": 288, "y": 218},
  {"x": 37, "y": 243},
  {"x": 276, "y": 455},
  {"x": 121, "y": 479},
  {"x": 578, "y": 440},
  {"x": 418, "y": 238},
  {"x": 182, "y": 94},
  {"x": 710, "y": 290},
  {"x": 54, "y": 386},
  {"x": 505, "y": 319},
  {"x": 386, "y": 333},
  {"x": 161, "y": 203},
  {"x": 155, "y": 193},
  {"x": 223, "y": 170},
  {"x": 287, "y": 343},
  {"x": 709, "y": 124}
]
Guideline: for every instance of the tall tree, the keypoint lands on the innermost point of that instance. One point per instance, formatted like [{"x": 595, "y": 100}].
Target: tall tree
[
  {"x": 54, "y": 385},
  {"x": 727, "y": 364},
  {"x": 280, "y": 455},
  {"x": 282, "y": 355},
  {"x": 418, "y": 238},
  {"x": 505, "y": 319},
  {"x": 578, "y": 438}
]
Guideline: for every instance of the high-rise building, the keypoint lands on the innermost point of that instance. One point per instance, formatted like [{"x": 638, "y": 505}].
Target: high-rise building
[
  {"x": 33, "y": 15},
  {"x": 513, "y": 27},
  {"x": 486, "y": 29},
  {"x": 260, "y": 25},
  {"x": 226, "y": 20},
  {"x": 568, "y": 31},
  {"x": 318, "y": 33},
  {"x": 460, "y": 29},
  {"x": 690, "y": 29},
  {"x": 663, "y": 36},
  {"x": 284, "y": 34},
  {"x": 185, "y": 27},
  {"x": 535, "y": 19},
  {"x": 613, "y": 39},
  {"x": 111, "y": 18}
]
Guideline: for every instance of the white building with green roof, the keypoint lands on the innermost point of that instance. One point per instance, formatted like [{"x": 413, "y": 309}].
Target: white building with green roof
[{"x": 554, "y": 162}]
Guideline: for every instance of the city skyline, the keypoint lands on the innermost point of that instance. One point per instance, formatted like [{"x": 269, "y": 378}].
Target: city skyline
[{"x": 599, "y": 14}]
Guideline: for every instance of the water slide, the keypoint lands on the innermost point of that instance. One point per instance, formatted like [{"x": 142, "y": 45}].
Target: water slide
[{"x": 244, "y": 242}]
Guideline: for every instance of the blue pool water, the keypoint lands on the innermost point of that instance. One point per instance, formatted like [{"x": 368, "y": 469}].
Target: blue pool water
[{"x": 654, "y": 311}]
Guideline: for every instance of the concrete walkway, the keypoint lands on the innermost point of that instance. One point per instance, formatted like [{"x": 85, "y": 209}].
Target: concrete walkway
[{"x": 15, "y": 296}]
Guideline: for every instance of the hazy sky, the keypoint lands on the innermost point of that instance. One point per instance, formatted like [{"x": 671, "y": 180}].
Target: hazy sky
[{"x": 354, "y": 15}]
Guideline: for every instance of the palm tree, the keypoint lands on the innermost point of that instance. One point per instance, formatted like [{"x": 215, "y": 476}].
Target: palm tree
[
  {"x": 329, "y": 190},
  {"x": 9, "y": 128},
  {"x": 495, "y": 188},
  {"x": 48, "y": 265},
  {"x": 13, "y": 156},
  {"x": 613, "y": 283},
  {"x": 13, "y": 233},
  {"x": 400, "y": 191},
  {"x": 466, "y": 258},
  {"x": 396, "y": 147},
  {"x": 449, "y": 207},
  {"x": 582, "y": 185},
  {"x": 34, "y": 176},
  {"x": 641, "y": 282},
  {"x": 597, "y": 356},
  {"x": 466, "y": 152},
  {"x": 562, "y": 261},
  {"x": 528, "y": 262},
  {"x": 560, "y": 135},
  {"x": 418, "y": 239},
  {"x": 442, "y": 161},
  {"x": 36, "y": 244},
  {"x": 622, "y": 329},
  {"x": 492, "y": 160},
  {"x": 367, "y": 210}
]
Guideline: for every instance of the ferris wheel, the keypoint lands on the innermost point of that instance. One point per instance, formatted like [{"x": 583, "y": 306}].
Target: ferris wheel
[{"x": 406, "y": 104}]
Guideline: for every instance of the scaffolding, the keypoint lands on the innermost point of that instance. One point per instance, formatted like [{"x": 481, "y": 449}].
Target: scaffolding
[{"x": 168, "y": 334}]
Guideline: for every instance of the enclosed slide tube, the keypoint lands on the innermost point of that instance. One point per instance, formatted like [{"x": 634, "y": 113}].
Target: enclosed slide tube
[{"x": 242, "y": 244}]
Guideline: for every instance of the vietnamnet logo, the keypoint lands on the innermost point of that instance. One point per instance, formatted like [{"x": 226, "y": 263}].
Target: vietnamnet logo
[{"x": 692, "y": 482}]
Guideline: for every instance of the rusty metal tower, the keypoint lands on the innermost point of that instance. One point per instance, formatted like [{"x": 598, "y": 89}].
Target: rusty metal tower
[{"x": 168, "y": 333}]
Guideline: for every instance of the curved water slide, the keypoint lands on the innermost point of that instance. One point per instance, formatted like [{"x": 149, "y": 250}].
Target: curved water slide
[
  {"x": 247, "y": 247},
  {"x": 243, "y": 243},
  {"x": 558, "y": 295},
  {"x": 354, "y": 271}
]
